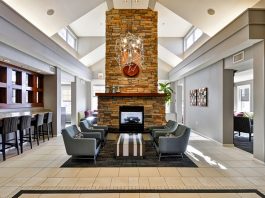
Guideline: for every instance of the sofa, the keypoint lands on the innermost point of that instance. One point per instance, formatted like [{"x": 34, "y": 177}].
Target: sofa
[
  {"x": 80, "y": 144},
  {"x": 173, "y": 144},
  {"x": 243, "y": 124}
]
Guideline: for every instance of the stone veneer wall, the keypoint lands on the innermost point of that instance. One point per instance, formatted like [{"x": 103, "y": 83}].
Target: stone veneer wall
[
  {"x": 108, "y": 108},
  {"x": 141, "y": 23}
]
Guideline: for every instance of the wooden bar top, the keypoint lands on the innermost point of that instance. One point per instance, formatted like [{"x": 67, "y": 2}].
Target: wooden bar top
[{"x": 130, "y": 94}]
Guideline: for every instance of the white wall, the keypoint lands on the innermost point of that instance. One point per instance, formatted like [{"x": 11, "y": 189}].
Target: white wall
[{"x": 209, "y": 121}]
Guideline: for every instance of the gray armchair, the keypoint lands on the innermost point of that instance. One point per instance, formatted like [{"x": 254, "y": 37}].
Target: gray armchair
[
  {"x": 173, "y": 145},
  {"x": 88, "y": 145},
  {"x": 90, "y": 124},
  {"x": 168, "y": 130},
  {"x": 85, "y": 127}
]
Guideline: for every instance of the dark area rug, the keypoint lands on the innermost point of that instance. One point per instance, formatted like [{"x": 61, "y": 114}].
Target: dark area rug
[
  {"x": 107, "y": 158},
  {"x": 243, "y": 143}
]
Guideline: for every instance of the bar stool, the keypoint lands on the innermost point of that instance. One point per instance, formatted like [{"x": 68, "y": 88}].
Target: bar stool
[
  {"x": 9, "y": 126},
  {"x": 25, "y": 131},
  {"x": 48, "y": 123},
  {"x": 38, "y": 126}
]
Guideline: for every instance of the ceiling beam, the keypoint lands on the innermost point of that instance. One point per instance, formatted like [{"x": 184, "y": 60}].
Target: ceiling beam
[
  {"x": 152, "y": 4},
  {"x": 110, "y": 4}
]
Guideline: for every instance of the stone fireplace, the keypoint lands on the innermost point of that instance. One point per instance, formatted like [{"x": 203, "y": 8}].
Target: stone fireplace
[{"x": 134, "y": 91}]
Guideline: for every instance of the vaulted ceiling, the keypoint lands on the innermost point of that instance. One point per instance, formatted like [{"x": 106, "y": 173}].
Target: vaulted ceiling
[{"x": 87, "y": 20}]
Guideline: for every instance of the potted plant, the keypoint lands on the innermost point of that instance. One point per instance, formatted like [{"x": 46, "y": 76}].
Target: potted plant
[{"x": 165, "y": 87}]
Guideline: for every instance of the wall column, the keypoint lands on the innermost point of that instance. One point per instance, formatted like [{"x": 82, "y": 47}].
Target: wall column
[
  {"x": 179, "y": 103},
  {"x": 259, "y": 100},
  {"x": 52, "y": 98}
]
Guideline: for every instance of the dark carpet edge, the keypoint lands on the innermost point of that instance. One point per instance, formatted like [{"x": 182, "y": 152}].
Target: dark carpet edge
[{"x": 21, "y": 192}]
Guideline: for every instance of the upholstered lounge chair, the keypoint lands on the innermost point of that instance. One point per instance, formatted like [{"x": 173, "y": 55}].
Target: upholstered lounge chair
[
  {"x": 85, "y": 127},
  {"x": 244, "y": 125},
  {"x": 88, "y": 145},
  {"x": 173, "y": 145},
  {"x": 171, "y": 127}
]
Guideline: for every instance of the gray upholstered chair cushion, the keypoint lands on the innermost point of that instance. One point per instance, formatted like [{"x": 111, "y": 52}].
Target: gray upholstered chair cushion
[
  {"x": 86, "y": 146},
  {"x": 90, "y": 124}
]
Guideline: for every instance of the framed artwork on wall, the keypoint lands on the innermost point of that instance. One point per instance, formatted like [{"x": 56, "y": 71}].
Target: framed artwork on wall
[
  {"x": 202, "y": 97},
  {"x": 193, "y": 97}
]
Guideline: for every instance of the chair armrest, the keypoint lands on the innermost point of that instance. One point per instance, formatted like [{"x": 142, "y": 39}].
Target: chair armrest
[
  {"x": 172, "y": 144},
  {"x": 159, "y": 133},
  {"x": 101, "y": 127},
  {"x": 82, "y": 146},
  {"x": 96, "y": 135}
]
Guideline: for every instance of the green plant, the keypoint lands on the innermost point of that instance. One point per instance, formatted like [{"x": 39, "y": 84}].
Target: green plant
[{"x": 165, "y": 87}]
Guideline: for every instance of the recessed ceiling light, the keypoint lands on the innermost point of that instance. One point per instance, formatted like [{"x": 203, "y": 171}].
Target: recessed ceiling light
[
  {"x": 50, "y": 12},
  {"x": 211, "y": 11}
]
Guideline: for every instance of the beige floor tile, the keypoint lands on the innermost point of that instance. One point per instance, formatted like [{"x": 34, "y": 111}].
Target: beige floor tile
[
  {"x": 258, "y": 181},
  {"x": 108, "y": 172},
  {"x": 29, "y": 196},
  {"x": 119, "y": 181},
  {"x": 85, "y": 182},
  {"x": 219, "y": 195},
  {"x": 179, "y": 195},
  {"x": 51, "y": 182},
  {"x": 168, "y": 172},
  {"x": 174, "y": 181},
  {"x": 249, "y": 172},
  {"x": 144, "y": 182},
  {"x": 190, "y": 181},
  {"x": 189, "y": 172},
  {"x": 149, "y": 172},
  {"x": 129, "y": 195},
  {"x": 6, "y": 191},
  {"x": 18, "y": 181},
  {"x": 149, "y": 195},
  {"x": 248, "y": 195},
  {"x": 28, "y": 172},
  {"x": 68, "y": 182},
  {"x": 59, "y": 196},
  {"x": 68, "y": 172},
  {"x": 129, "y": 172},
  {"x": 35, "y": 181},
  {"x": 103, "y": 195},
  {"x": 229, "y": 172},
  {"x": 10, "y": 172},
  {"x": 102, "y": 181},
  {"x": 88, "y": 172},
  {"x": 133, "y": 181},
  {"x": 157, "y": 181},
  {"x": 209, "y": 172},
  {"x": 48, "y": 172},
  {"x": 208, "y": 181}
]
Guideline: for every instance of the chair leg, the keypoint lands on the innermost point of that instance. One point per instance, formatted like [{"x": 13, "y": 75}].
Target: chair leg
[
  {"x": 48, "y": 131},
  {"x": 160, "y": 155},
  {"x": 21, "y": 136},
  {"x": 238, "y": 133},
  {"x": 4, "y": 146},
  {"x": 36, "y": 133},
  {"x": 51, "y": 128},
  {"x": 16, "y": 142},
  {"x": 42, "y": 132},
  {"x": 249, "y": 138},
  {"x": 30, "y": 138}
]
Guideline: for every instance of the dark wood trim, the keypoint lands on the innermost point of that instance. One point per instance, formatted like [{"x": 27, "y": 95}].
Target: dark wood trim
[
  {"x": 130, "y": 94},
  {"x": 186, "y": 191}
]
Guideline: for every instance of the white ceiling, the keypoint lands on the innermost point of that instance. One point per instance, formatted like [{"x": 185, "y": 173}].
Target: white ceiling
[
  {"x": 170, "y": 24},
  {"x": 35, "y": 11},
  {"x": 87, "y": 19},
  {"x": 195, "y": 12},
  {"x": 88, "y": 26},
  {"x": 128, "y": 4},
  {"x": 167, "y": 56}
]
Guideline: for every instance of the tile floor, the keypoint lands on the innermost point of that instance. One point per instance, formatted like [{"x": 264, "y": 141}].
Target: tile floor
[{"x": 219, "y": 168}]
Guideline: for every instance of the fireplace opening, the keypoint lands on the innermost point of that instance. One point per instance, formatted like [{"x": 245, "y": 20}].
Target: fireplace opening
[{"x": 131, "y": 119}]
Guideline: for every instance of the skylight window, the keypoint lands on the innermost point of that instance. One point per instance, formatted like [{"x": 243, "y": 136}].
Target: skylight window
[
  {"x": 192, "y": 37},
  {"x": 69, "y": 37}
]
